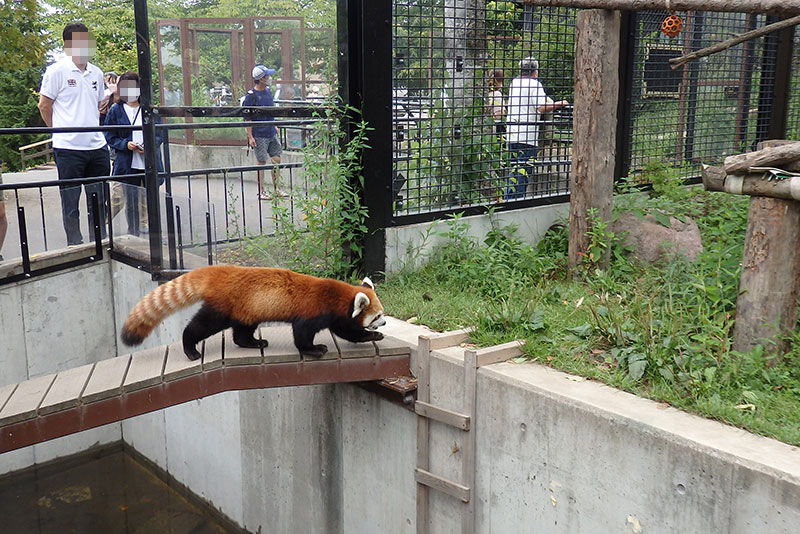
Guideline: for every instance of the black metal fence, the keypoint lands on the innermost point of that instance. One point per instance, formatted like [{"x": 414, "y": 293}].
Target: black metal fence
[
  {"x": 454, "y": 63},
  {"x": 454, "y": 60}
]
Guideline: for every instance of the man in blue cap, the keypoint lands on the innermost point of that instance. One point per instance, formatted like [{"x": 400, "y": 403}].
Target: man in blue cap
[{"x": 264, "y": 139}]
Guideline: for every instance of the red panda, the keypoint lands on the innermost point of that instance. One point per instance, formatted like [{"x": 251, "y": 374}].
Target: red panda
[{"x": 243, "y": 297}]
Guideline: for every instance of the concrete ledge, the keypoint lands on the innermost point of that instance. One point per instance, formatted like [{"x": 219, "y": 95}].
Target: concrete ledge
[{"x": 705, "y": 435}]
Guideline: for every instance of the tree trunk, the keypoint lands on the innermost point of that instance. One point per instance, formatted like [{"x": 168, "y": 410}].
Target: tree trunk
[
  {"x": 594, "y": 125},
  {"x": 770, "y": 281}
]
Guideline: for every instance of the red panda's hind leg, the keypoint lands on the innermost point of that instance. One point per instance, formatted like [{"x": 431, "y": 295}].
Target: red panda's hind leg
[
  {"x": 204, "y": 324},
  {"x": 304, "y": 332},
  {"x": 244, "y": 336}
]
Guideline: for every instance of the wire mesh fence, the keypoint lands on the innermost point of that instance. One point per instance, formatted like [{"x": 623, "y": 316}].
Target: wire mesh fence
[
  {"x": 457, "y": 87},
  {"x": 706, "y": 109},
  {"x": 472, "y": 128}
]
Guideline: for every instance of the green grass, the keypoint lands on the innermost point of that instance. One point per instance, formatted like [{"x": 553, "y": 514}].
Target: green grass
[{"x": 660, "y": 332}]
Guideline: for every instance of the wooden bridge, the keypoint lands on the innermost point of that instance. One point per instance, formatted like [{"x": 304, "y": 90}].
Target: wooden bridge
[{"x": 111, "y": 390}]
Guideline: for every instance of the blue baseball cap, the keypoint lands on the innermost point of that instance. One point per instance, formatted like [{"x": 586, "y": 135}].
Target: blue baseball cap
[{"x": 259, "y": 71}]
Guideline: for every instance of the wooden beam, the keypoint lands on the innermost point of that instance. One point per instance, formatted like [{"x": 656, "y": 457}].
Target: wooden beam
[
  {"x": 594, "y": 125},
  {"x": 777, "y": 7},
  {"x": 753, "y": 184},
  {"x": 771, "y": 156},
  {"x": 443, "y": 415}
]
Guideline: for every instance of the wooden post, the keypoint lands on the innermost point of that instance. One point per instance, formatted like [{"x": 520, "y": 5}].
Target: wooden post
[
  {"x": 770, "y": 281},
  {"x": 769, "y": 285},
  {"x": 594, "y": 124}
]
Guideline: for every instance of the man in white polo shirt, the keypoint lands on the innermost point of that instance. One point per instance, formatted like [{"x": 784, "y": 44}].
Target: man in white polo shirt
[{"x": 71, "y": 90}]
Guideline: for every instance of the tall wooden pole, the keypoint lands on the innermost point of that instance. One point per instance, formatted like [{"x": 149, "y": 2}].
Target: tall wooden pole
[{"x": 597, "y": 36}]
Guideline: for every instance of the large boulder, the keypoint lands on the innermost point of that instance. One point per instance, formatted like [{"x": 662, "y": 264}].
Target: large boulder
[{"x": 651, "y": 241}]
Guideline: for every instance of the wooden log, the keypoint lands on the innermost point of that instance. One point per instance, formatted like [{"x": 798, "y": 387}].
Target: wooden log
[
  {"x": 770, "y": 281},
  {"x": 594, "y": 125},
  {"x": 677, "y": 62},
  {"x": 778, "y": 7},
  {"x": 753, "y": 184},
  {"x": 771, "y": 156}
]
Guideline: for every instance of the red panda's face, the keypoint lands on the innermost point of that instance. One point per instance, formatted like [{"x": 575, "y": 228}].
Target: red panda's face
[{"x": 367, "y": 309}]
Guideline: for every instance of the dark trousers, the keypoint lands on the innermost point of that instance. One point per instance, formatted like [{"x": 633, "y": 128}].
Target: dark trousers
[
  {"x": 72, "y": 164},
  {"x": 133, "y": 188},
  {"x": 521, "y": 169}
]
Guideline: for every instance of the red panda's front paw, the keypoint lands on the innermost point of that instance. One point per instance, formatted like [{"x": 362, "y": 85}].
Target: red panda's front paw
[{"x": 372, "y": 335}]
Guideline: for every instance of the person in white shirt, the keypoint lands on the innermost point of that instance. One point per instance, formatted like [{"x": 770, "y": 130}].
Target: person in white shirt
[
  {"x": 72, "y": 89},
  {"x": 526, "y": 100}
]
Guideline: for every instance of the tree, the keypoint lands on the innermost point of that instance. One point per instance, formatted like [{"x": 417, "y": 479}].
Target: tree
[
  {"x": 21, "y": 62},
  {"x": 20, "y": 34}
]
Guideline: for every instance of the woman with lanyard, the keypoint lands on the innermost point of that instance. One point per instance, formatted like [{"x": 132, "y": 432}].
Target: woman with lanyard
[{"x": 129, "y": 145}]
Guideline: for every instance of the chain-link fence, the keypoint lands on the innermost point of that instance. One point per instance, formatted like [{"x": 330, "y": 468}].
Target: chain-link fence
[
  {"x": 475, "y": 124},
  {"x": 706, "y": 109},
  {"x": 470, "y": 127}
]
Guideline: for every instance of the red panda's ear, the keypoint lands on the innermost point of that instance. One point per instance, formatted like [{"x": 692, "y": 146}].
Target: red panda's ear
[
  {"x": 366, "y": 282},
  {"x": 360, "y": 303}
]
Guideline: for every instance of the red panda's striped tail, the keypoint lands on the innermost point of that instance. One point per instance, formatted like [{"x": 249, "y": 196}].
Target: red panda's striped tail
[{"x": 157, "y": 305}]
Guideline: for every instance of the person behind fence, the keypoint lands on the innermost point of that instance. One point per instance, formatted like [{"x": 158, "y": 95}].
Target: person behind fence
[
  {"x": 72, "y": 89},
  {"x": 264, "y": 139},
  {"x": 110, "y": 80},
  {"x": 129, "y": 145},
  {"x": 496, "y": 105},
  {"x": 526, "y": 100}
]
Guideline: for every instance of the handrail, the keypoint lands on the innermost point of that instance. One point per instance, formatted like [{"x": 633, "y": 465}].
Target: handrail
[{"x": 27, "y": 157}]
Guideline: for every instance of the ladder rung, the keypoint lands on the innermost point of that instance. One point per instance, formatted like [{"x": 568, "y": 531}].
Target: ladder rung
[
  {"x": 441, "y": 484},
  {"x": 442, "y": 415}
]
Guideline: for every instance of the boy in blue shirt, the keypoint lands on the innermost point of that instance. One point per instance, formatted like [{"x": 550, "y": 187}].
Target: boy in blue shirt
[{"x": 264, "y": 139}]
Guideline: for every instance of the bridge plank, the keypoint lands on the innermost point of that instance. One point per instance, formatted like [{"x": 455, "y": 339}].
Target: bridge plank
[
  {"x": 66, "y": 389},
  {"x": 178, "y": 365},
  {"x": 106, "y": 379},
  {"x": 212, "y": 351},
  {"x": 348, "y": 349},
  {"x": 390, "y": 346},
  {"x": 281, "y": 347},
  {"x": 5, "y": 393},
  {"x": 236, "y": 355},
  {"x": 26, "y": 399},
  {"x": 146, "y": 368}
]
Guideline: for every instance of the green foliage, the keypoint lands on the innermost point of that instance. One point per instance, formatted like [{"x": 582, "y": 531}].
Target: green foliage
[
  {"x": 328, "y": 242},
  {"x": 662, "y": 332},
  {"x": 21, "y": 59},
  {"x": 20, "y": 35},
  {"x": 18, "y": 109}
]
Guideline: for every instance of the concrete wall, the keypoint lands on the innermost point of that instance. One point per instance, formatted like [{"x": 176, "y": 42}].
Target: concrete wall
[{"x": 410, "y": 245}]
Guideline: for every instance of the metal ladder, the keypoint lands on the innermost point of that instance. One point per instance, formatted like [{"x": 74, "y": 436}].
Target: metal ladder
[{"x": 465, "y": 420}]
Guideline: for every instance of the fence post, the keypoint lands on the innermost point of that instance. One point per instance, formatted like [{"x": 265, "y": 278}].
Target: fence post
[
  {"x": 776, "y": 73},
  {"x": 365, "y": 78},
  {"x": 149, "y": 133}
]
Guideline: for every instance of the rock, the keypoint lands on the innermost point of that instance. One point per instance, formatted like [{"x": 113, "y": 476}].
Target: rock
[{"x": 651, "y": 241}]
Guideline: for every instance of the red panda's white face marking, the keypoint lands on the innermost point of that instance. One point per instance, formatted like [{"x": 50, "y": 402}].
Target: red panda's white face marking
[{"x": 372, "y": 316}]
